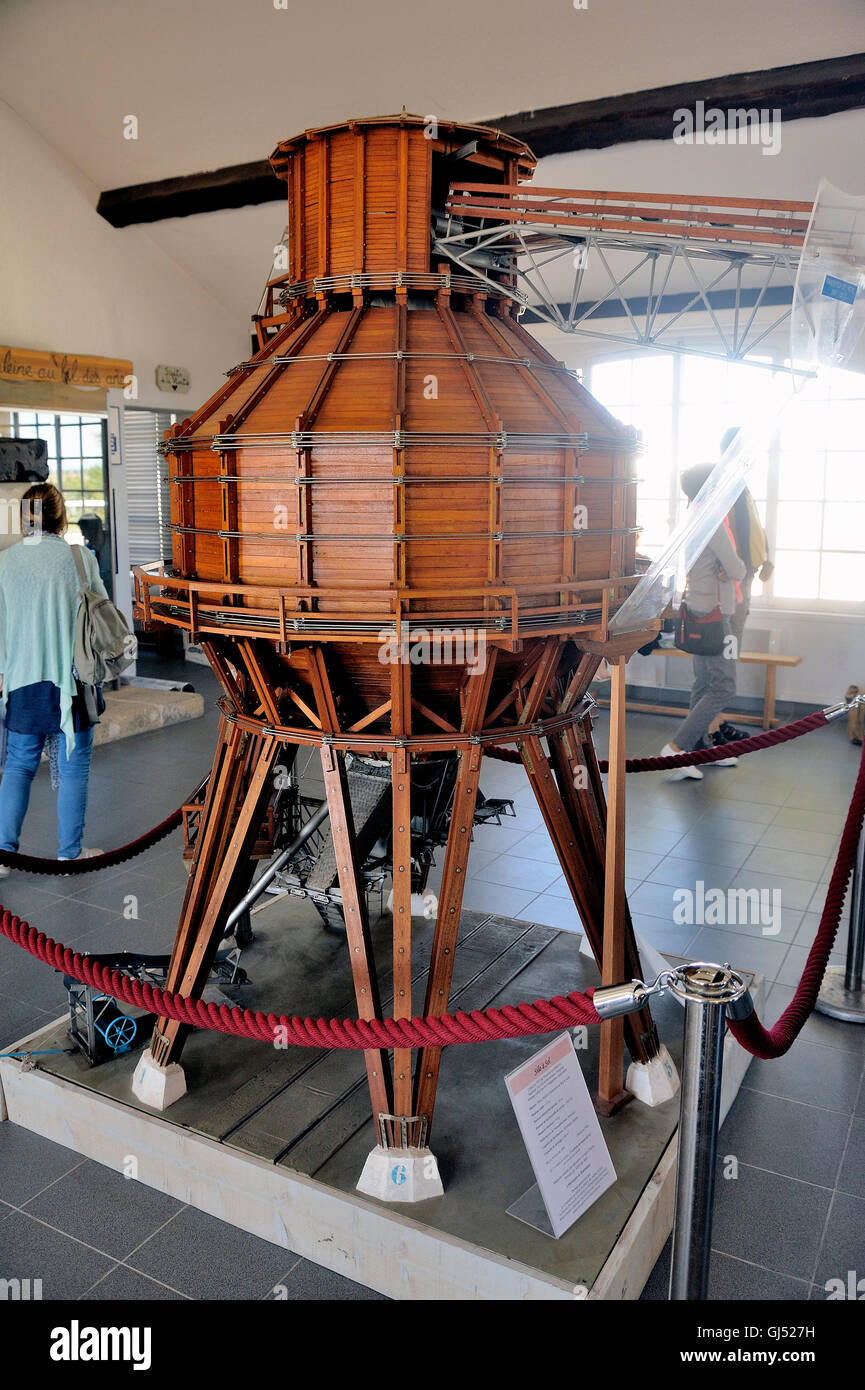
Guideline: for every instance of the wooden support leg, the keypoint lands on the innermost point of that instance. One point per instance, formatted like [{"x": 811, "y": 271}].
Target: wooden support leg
[
  {"x": 566, "y": 840},
  {"x": 476, "y": 701},
  {"x": 611, "y": 1092},
  {"x": 402, "y": 1057},
  {"x": 356, "y": 922},
  {"x": 769, "y": 697},
  {"x": 448, "y": 920},
  {"x": 578, "y": 775},
  {"x": 222, "y": 850}
]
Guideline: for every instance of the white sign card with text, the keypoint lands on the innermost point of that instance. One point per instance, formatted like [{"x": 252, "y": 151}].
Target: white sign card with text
[{"x": 561, "y": 1132}]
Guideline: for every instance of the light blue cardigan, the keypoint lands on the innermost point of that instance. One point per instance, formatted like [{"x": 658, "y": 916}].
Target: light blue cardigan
[{"x": 39, "y": 598}]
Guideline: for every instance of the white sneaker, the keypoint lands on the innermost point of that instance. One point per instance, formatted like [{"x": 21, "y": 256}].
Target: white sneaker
[
  {"x": 721, "y": 762},
  {"x": 5, "y": 870},
  {"x": 678, "y": 773},
  {"x": 82, "y": 854}
]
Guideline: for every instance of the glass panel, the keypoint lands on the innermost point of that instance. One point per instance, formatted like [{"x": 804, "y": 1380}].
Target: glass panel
[
  {"x": 70, "y": 442},
  {"x": 804, "y": 427},
  {"x": 700, "y": 431},
  {"x": 845, "y": 478},
  {"x": 843, "y": 577},
  {"x": 654, "y": 464},
  {"x": 94, "y": 506},
  {"x": 611, "y": 381},
  {"x": 845, "y": 424},
  {"x": 800, "y": 476},
  {"x": 94, "y": 476},
  {"x": 91, "y": 438},
  {"x": 798, "y": 525},
  {"x": 747, "y": 383},
  {"x": 796, "y": 574},
  {"x": 702, "y": 380},
  {"x": 653, "y": 517},
  {"x": 652, "y": 379},
  {"x": 49, "y": 434},
  {"x": 847, "y": 385},
  {"x": 844, "y": 526}
]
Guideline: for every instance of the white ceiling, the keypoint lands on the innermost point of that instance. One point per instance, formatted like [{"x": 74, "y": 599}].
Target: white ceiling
[{"x": 216, "y": 82}]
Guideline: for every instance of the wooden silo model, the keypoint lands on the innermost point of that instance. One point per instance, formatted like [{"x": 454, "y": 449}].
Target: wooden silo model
[{"x": 399, "y": 468}]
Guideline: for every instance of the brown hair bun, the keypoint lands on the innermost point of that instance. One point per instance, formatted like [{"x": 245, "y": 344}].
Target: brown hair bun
[{"x": 50, "y": 515}]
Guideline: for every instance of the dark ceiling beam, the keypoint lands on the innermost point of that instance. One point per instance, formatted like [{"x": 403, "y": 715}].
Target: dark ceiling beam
[
  {"x": 822, "y": 88},
  {"x": 235, "y": 186}
]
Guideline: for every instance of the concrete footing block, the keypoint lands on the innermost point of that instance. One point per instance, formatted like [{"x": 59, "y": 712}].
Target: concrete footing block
[
  {"x": 422, "y": 904},
  {"x": 158, "y": 1086},
  {"x": 653, "y": 1082},
  {"x": 401, "y": 1175}
]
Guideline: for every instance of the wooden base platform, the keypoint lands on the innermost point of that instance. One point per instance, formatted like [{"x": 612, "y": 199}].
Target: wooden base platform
[{"x": 274, "y": 1141}]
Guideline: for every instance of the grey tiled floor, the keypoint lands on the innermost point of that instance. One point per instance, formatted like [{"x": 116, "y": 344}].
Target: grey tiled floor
[{"x": 792, "y": 1218}]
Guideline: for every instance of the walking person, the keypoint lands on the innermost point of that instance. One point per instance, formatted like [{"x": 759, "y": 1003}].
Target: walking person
[
  {"x": 39, "y": 598},
  {"x": 711, "y": 582}
]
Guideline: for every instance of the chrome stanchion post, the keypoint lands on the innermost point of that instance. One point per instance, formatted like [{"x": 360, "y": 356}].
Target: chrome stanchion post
[
  {"x": 707, "y": 990},
  {"x": 710, "y": 992},
  {"x": 841, "y": 994}
]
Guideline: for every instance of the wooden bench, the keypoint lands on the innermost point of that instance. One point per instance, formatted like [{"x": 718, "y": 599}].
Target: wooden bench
[{"x": 771, "y": 661}]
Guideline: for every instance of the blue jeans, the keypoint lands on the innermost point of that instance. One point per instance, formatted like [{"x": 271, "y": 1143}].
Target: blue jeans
[{"x": 23, "y": 752}]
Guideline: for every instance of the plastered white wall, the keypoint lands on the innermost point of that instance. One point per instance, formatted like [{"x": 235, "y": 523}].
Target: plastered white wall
[{"x": 71, "y": 283}]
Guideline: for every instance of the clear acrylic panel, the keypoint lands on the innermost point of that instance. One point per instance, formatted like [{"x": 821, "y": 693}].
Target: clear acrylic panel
[{"x": 829, "y": 300}]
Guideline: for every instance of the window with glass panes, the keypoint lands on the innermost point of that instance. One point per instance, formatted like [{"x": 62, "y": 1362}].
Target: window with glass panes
[
  {"x": 78, "y": 465},
  {"x": 809, "y": 486},
  {"x": 76, "y": 458}
]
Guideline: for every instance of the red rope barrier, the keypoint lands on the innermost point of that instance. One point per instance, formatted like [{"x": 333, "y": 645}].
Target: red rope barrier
[
  {"x": 753, "y": 744},
  {"x": 519, "y": 1020},
  {"x": 774, "y": 1042},
  {"x": 481, "y": 1025},
  {"x": 34, "y": 864}
]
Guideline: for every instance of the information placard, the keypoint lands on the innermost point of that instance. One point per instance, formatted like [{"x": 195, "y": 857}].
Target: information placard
[{"x": 561, "y": 1132}]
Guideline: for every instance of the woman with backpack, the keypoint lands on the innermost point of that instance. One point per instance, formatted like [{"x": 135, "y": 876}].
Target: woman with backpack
[{"x": 40, "y": 594}]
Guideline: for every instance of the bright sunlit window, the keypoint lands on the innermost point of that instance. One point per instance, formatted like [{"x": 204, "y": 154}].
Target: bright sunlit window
[{"x": 809, "y": 487}]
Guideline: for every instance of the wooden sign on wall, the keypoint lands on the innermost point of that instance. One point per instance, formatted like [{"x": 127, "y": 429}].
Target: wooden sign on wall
[{"x": 68, "y": 369}]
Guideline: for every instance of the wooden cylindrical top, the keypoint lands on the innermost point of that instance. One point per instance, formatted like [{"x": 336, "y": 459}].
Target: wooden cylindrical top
[{"x": 361, "y": 193}]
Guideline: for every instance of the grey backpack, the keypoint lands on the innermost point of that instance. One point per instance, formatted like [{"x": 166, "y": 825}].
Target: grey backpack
[{"x": 104, "y": 646}]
